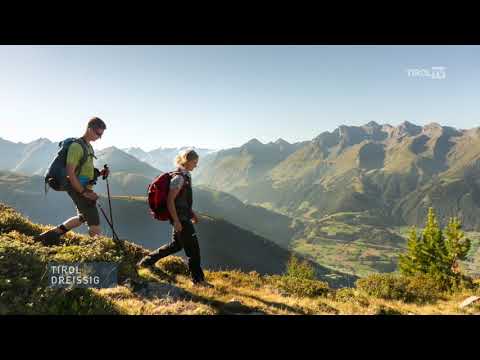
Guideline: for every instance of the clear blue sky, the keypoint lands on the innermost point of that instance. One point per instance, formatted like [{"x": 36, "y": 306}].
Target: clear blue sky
[{"x": 223, "y": 96}]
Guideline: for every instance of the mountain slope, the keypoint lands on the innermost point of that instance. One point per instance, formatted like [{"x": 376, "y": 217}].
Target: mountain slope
[
  {"x": 29, "y": 159},
  {"x": 165, "y": 289},
  {"x": 224, "y": 245},
  {"x": 120, "y": 161},
  {"x": 36, "y": 157},
  {"x": 235, "y": 168},
  {"x": 276, "y": 227},
  {"x": 11, "y": 153},
  {"x": 129, "y": 176}
]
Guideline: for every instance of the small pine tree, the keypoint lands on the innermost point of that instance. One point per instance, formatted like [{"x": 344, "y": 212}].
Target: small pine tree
[
  {"x": 300, "y": 269},
  {"x": 456, "y": 243},
  {"x": 412, "y": 262},
  {"x": 433, "y": 254}
]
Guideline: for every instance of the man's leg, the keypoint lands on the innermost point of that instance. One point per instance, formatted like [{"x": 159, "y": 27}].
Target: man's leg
[
  {"x": 94, "y": 230},
  {"x": 52, "y": 236},
  {"x": 69, "y": 224},
  {"x": 88, "y": 212},
  {"x": 92, "y": 217}
]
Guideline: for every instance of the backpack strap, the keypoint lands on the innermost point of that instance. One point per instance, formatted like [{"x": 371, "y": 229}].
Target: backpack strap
[
  {"x": 185, "y": 179},
  {"x": 84, "y": 158}
]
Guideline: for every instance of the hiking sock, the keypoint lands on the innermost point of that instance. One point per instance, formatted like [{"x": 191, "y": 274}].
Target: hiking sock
[
  {"x": 146, "y": 261},
  {"x": 63, "y": 228}
]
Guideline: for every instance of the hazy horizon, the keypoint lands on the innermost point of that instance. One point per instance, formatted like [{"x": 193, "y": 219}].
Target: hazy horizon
[
  {"x": 97, "y": 145},
  {"x": 219, "y": 97}
]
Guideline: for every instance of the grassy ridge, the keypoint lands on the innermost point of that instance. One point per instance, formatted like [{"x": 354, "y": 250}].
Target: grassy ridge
[{"x": 23, "y": 287}]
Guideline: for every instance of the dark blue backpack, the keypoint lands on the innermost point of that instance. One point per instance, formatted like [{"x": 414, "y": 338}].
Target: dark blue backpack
[{"x": 56, "y": 174}]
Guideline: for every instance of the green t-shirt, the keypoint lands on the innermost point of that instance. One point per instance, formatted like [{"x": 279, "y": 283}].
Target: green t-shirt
[{"x": 75, "y": 155}]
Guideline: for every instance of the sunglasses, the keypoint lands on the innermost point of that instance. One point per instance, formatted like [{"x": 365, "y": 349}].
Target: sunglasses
[{"x": 97, "y": 133}]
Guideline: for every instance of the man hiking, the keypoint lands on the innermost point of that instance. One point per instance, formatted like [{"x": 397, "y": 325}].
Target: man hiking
[{"x": 81, "y": 176}]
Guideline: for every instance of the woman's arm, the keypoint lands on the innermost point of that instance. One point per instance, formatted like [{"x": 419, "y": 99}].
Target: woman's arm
[{"x": 172, "y": 194}]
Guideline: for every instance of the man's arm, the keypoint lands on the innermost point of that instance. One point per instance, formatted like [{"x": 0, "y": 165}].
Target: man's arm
[
  {"x": 72, "y": 177},
  {"x": 89, "y": 194},
  {"x": 75, "y": 153}
]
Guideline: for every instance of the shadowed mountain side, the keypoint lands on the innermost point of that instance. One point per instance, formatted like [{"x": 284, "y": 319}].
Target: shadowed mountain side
[
  {"x": 223, "y": 245},
  {"x": 275, "y": 227},
  {"x": 237, "y": 248},
  {"x": 120, "y": 161},
  {"x": 27, "y": 194},
  {"x": 125, "y": 184}
]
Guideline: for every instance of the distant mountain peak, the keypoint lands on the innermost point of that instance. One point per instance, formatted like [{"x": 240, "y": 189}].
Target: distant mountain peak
[
  {"x": 407, "y": 124},
  {"x": 432, "y": 125},
  {"x": 134, "y": 148},
  {"x": 41, "y": 140},
  {"x": 372, "y": 124},
  {"x": 110, "y": 149},
  {"x": 253, "y": 142},
  {"x": 281, "y": 141},
  {"x": 407, "y": 128}
]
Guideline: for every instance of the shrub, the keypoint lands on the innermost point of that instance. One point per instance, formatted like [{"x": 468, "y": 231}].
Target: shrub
[
  {"x": 303, "y": 287},
  {"x": 419, "y": 288},
  {"x": 385, "y": 310},
  {"x": 351, "y": 296},
  {"x": 299, "y": 280},
  {"x": 300, "y": 269}
]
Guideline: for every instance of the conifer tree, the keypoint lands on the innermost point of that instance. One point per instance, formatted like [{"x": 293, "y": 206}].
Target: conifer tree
[
  {"x": 434, "y": 254},
  {"x": 412, "y": 261},
  {"x": 456, "y": 242}
]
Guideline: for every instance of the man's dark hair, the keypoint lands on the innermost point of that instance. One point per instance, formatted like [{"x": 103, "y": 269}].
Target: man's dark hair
[{"x": 96, "y": 123}]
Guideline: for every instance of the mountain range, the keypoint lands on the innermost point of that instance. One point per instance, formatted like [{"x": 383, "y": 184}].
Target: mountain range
[
  {"x": 162, "y": 158},
  {"x": 392, "y": 173},
  {"x": 32, "y": 158},
  {"x": 344, "y": 199}
]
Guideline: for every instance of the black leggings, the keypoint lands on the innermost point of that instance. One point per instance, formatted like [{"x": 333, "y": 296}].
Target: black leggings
[{"x": 187, "y": 240}]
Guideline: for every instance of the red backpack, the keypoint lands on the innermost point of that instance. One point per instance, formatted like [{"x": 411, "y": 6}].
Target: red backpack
[{"x": 157, "y": 195}]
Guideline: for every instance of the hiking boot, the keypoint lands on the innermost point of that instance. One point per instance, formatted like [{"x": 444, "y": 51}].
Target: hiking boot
[
  {"x": 49, "y": 238},
  {"x": 146, "y": 262}
]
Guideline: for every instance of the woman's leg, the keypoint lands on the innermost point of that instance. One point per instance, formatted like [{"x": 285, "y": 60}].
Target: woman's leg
[
  {"x": 168, "y": 249},
  {"x": 188, "y": 238}
]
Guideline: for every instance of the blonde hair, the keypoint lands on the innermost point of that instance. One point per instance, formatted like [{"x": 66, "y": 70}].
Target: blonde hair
[{"x": 184, "y": 156}]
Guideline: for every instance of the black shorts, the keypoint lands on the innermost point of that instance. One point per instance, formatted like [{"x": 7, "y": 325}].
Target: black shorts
[{"x": 85, "y": 208}]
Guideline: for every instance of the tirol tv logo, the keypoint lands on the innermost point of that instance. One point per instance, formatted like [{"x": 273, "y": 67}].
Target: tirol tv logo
[{"x": 435, "y": 72}]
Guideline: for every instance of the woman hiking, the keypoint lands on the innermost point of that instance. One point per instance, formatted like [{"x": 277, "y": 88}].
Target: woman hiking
[{"x": 179, "y": 204}]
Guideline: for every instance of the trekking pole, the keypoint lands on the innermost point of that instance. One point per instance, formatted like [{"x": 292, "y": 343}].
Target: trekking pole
[
  {"x": 115, "y": 236},
  {"x": 108, "y": 193}
]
